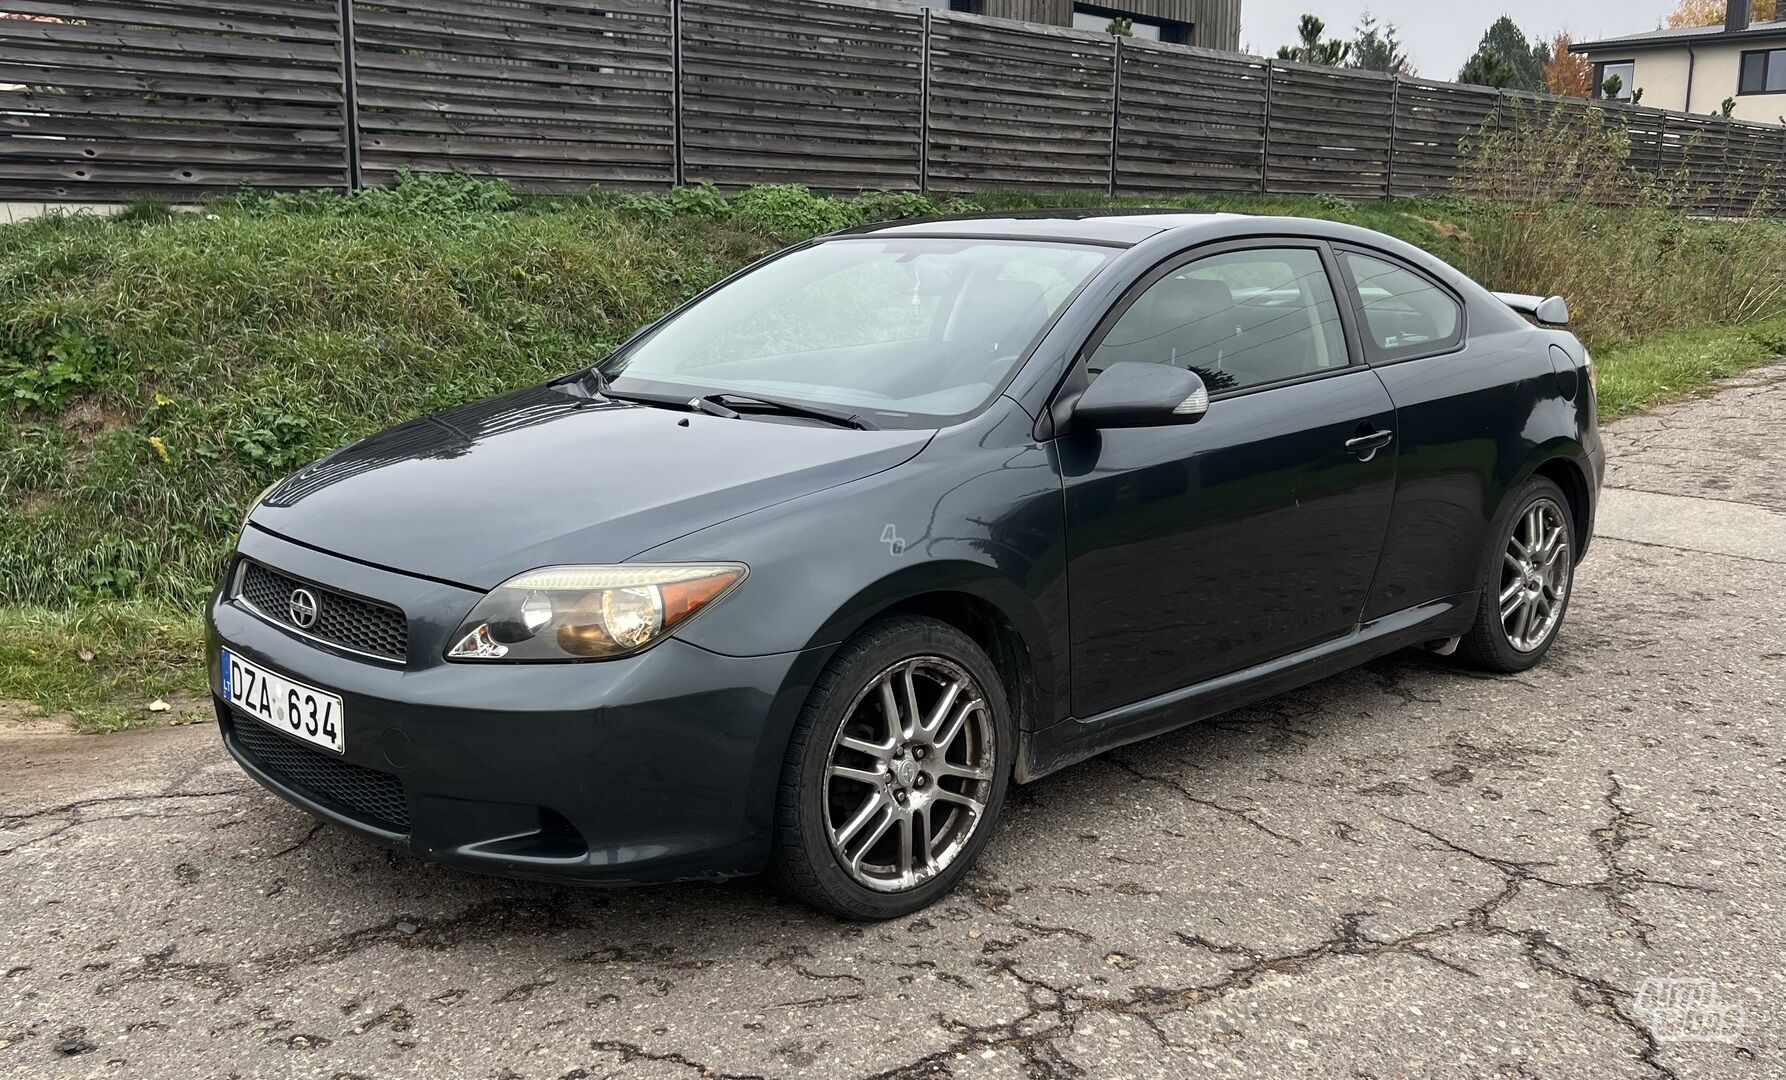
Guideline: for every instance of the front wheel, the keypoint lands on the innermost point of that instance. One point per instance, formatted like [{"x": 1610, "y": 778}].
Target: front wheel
[
  {"x": 1525, "y": 587},
  {"x": 895, "y": 772}
]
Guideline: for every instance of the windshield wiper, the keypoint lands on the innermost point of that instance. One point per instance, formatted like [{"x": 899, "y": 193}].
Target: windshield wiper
[
  {"x": 736, "y": 403},
  {"x": 722, "y": 404}
]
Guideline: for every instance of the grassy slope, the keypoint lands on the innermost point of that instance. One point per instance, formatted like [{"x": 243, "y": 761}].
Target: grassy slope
[{"x": 155, "y": 372}]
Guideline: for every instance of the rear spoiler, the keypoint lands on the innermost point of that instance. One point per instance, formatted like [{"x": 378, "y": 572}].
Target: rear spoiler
[{"x": 1549, "y": 310}]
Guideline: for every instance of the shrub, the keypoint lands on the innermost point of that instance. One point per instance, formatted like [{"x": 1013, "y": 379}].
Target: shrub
[
  {"x": 53, "y": 366},
  {"x": 788, "y": 212},
  {"x": 701, "y": 200},
  {"x": 145, "y": 212},
  {"x": 876, "y": 206},
  {"x": 1552, "y": 205}
]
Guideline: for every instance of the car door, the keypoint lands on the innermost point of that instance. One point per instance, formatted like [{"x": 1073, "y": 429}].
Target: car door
[
  {"x": 1203, "y": 548},
  {"x": 1459, "y": 394}
]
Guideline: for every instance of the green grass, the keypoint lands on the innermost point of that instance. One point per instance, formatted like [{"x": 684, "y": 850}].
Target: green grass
[
  {"x": 1643, "y": 375},
  {"x": 102, "y": 664},
  {"x": 156, "y": 370}
]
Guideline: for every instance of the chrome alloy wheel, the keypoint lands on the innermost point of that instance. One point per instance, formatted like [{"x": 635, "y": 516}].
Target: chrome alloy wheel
[
  {"x": 910, "y": 771},
  {"x": 1535, "y": 576}
]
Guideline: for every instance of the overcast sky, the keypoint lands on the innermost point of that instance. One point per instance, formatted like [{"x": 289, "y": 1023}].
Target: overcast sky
[{"x": 1441, "y": 35}]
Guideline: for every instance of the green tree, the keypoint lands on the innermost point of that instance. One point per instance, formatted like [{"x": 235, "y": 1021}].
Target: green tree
[
  {"x": 1506, "y": 54},
  {"x": 1488, "y": 69},
  {"x": 1310, "y": 49},
  {"x": 1375, "y": 47},
  {"x": 1121, "y": 27}
]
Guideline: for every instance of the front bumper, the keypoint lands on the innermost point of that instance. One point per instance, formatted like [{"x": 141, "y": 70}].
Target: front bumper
[{"x": 658, "y": 767}]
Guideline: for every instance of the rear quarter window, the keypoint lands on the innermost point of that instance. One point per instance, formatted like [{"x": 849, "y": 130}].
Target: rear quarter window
[{"x": 1403, "y": 313}]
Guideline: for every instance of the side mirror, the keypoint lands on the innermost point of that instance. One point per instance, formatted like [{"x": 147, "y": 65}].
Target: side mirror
[
  {"x": 1552, "y": 311},
  {"x": 1132, "y": 393}
]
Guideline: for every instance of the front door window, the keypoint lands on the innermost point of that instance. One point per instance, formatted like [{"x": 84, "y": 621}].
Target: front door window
[{"x": 1238, "y": 319}]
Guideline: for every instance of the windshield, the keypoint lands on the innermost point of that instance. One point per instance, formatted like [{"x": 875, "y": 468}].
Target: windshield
[{"x": 924, "y": 329}]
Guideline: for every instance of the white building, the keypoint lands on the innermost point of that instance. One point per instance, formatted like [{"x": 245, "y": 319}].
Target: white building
[{"x": 1697, "y": 68}]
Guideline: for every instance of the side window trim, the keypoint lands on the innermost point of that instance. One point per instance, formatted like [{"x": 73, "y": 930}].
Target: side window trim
[
  {"x": 1375, "y": 354},
  {"x": 1336, "y": 284}
]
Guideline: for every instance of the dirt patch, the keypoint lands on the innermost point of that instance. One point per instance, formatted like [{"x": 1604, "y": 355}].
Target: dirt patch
[
  {"x": 19, "y": 720},
  {"x": 1446, "y": 229},
  {"x": 85, "y": 419},
  {"x": 22, "y": 720}
]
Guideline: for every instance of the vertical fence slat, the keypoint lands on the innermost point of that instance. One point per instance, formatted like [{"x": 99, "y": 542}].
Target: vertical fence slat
[
  {"x": 1115, "y": 113},
  {"x": 350, "y": 118},
  {"x": 1395, "y": 86},
  {"x": 1265, "y": 136},
  {"x": 678, "y": 132},
  {"x": 924, "y": 109}
]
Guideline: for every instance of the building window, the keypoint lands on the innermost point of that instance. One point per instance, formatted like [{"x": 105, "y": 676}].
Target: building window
[
  {"x": 1625, "y": 71},
  {"x": 1763, "y": 72},
  {"x": 1097, "y": 18}
]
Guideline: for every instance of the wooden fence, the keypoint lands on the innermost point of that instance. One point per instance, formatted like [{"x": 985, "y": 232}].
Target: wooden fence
[{"x": 105, "y": 100}]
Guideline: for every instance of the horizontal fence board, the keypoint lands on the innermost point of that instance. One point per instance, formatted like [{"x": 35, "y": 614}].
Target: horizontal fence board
[
  {"x": 545, "y": 96},
  {"x": 1189, "y": 120},
  {"x": 1433, "y": 123},
  {"x": 117, "y": 97},
  {"x": 1330, "y": 130},
  {"x": 792, "y": 91},
  {"x": 209, "y": 17},
  {"x": 989, "y": 86}
]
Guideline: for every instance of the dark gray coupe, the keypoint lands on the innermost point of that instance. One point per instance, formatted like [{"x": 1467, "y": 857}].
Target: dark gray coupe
[{"x": 803, "y": 576}]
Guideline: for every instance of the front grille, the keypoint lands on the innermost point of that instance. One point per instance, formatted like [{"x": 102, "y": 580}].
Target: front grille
[
  {"x": 358, "y": 792},
  {"x": 361, "y": 625}
]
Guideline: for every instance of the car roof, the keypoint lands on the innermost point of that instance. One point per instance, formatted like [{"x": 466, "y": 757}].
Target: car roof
[
  {"x": 1126, "y": 228},
  {"x": 1117, "y": 227}
]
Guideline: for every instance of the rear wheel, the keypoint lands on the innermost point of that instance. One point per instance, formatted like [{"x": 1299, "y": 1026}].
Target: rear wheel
[
  {"x": 895, "y": 773},
  {"x": 1525, "y": 587}
]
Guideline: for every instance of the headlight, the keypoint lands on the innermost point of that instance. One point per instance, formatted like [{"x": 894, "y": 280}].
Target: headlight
[{"x": 589, "y": 612}]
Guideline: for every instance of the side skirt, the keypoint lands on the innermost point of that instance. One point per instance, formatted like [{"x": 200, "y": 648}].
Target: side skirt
[{"x": 1074, "y": 740}]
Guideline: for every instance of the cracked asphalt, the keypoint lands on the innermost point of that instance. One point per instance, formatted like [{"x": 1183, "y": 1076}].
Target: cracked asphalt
[{"x": 1401, "y": 871}]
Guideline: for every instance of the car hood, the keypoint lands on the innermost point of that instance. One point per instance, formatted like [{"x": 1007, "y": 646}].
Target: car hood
[{"x": 479, "y": 493}]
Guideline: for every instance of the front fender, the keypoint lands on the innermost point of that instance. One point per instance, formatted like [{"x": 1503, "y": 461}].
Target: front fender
[{"x": 976, "y": 513}]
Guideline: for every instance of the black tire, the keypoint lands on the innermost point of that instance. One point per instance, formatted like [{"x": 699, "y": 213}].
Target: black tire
[
  {"x": 804, "y": 863},
  {"x": 1488, "y": 645}
]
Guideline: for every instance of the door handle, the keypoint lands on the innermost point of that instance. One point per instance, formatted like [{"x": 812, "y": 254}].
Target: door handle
[{"x": 1367, "y": 444}]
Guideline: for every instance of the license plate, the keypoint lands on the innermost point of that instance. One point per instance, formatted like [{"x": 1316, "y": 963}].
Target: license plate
[{"x": 302, "y": 711}]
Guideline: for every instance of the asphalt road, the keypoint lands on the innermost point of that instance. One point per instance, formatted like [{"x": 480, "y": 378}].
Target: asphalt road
[{"x": 1402, "y": 871}]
